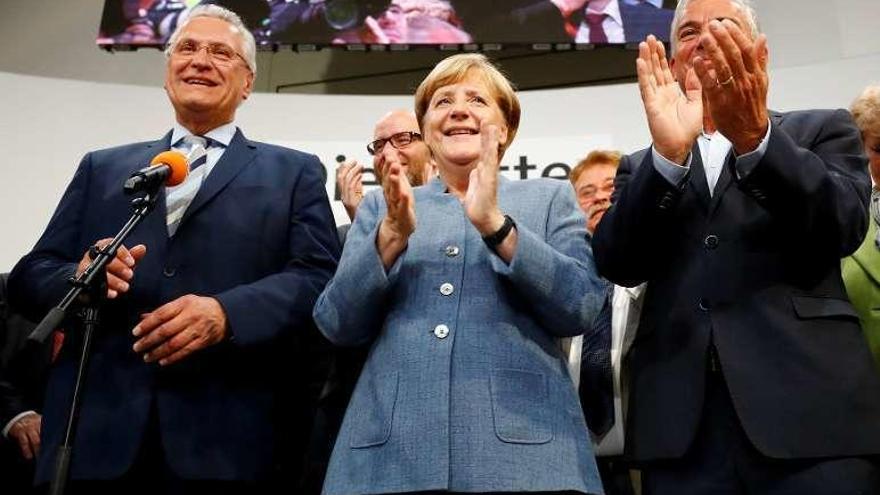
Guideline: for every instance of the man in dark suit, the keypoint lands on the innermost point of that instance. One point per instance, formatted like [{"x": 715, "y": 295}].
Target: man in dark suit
[
  {"x": 530, "y": 21},
  {"x": 199, "y": 372},
  {"x": 23, "y": 367},
  {"x": 737, "y": 218}
]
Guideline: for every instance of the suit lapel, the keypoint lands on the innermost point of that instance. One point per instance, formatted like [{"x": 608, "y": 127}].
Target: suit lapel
[
  {"x": 728, "y": 171},
  {"x": 155, "y": 222},
  {"x": 237, "y": 156}
]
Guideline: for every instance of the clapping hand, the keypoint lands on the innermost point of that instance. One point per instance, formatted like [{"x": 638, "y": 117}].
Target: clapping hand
[
  {"x": 481, "y": 199},
  {"x": 349, "y": 180},
  {"x": 735, "y": 81},
  {"x": 675, "y": 118},
  {"x": 400, "y": 221}
]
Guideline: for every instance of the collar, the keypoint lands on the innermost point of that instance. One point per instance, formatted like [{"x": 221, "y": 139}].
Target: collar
[
  {"x": 222, "y": 135},
  {"x": 612, "y": 10},
  {"x": 436, "y": 184}
]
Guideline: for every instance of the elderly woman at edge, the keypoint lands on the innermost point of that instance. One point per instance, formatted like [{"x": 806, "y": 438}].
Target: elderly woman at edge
[
  {"x": 861, "y": 271},
  {"x": 464, "y": 287}
]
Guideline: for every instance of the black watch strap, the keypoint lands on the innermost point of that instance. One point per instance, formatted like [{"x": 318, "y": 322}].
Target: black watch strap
[{"x": 496, "y": 238}]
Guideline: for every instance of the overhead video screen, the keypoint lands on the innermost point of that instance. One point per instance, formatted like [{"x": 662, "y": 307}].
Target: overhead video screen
[{"x": 139, "y": 23}]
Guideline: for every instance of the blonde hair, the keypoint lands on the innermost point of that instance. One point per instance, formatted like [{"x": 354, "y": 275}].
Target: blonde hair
[
  {"x": 866, "y": 111},
  {"x": 597, "y": 157},
  {"x": 457, "y": 68}
]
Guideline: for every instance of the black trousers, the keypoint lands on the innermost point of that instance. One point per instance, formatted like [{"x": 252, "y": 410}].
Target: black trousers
[
  {"x": 616, "y": 479},
  {"x": 150, "y": 474},
  {"x": 722, "y": 461}
]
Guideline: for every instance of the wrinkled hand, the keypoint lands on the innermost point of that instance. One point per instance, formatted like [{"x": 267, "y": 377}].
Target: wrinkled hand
[
  {"x": 481, "y": 198},
  {"x": 400, "y": 221},
  {"x": 179, "y": 328},
  {"x": 675, "y": 119},
  {"x": 349, "y": 180},
  {"x": 120, "y": 270},
  {"x": 738, "y": 106},
  {"x": 26, "y": 432}
]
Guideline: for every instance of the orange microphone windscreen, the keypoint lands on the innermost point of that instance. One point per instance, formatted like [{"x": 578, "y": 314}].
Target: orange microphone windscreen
[{"x": 176, "y": 162}]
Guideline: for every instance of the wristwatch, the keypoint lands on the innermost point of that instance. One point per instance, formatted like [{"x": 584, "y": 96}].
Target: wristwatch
[{"x": 494, "y": 239}]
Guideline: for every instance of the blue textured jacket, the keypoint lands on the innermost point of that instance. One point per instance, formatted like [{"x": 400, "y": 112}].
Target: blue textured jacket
[{"x": 465, "y": 388}]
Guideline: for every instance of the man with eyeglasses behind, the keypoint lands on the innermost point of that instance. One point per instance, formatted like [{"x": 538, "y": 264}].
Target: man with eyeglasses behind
[
  {"x": 199, "y": 378},
  {"x": 396, "y": 137}
]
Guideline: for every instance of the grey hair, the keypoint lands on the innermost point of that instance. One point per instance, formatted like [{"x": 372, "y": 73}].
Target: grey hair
[
  {"x": 249, "y": 45},
  {"x": 744, "y": 5}
]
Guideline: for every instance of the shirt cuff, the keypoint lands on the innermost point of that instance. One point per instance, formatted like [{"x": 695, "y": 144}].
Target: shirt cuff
[
  {"x": 674, "y": 173},
  {"x": 745, "y": 163},
  {"x": 14, "y": 420}
]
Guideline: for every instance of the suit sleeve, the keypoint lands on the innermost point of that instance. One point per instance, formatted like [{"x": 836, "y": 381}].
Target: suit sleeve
[
  {"x": 820, "y": 189},
  {"x": 351, "y": 309},
  {"x": 39, "y": 280},
  {"x": 640, "y": 212},
  {"x": 556, "y": 273},
  {"x": 260, "y": 312}
]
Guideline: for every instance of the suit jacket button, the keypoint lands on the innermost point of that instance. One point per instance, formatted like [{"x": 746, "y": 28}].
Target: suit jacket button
[
  {"x": 452, "y": 251},
  {"x": 705, "y": 305},
  {"x": 447, "y": 289},
  {"x": 711, "y": 241},
  {"x": 169, "y": 272},
  {"x": 441, "y": 331}
]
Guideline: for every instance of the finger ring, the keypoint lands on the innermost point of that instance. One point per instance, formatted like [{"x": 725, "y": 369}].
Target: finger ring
[{"x": 729, "y": 80}]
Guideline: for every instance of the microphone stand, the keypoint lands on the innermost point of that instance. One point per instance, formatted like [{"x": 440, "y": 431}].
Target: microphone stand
[{"x": 89, "y": 293}]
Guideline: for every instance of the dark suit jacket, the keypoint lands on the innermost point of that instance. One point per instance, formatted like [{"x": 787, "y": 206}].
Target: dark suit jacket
[
  {"x": 23, "y": 370},
  {"x": 755, "y": 269},
  {"x": 530, "y": 21},
  {"x": 260, "y": 238}
]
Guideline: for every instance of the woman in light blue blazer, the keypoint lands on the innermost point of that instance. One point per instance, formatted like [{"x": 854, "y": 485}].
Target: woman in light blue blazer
[{"x": 463, "y": 287}]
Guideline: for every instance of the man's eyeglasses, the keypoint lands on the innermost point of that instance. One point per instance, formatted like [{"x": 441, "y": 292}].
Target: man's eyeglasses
[
  {"x": 399, "y": 141},
  {"x": 220, "y": 53}
]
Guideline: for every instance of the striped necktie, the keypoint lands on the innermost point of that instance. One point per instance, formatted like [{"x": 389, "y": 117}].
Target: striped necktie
[{"x": 178, "y": 198}]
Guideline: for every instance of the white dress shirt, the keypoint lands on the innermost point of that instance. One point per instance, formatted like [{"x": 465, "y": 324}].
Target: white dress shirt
[{"x": 613, "y": 24}]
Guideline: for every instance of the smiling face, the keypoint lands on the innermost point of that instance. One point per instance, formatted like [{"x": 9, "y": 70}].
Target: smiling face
[
  {"x": 414, "y": 157},
  {"x": 454, "y": 118},
  {"x": 205, "y": 90},
  {"x": 694, "y": 22}
]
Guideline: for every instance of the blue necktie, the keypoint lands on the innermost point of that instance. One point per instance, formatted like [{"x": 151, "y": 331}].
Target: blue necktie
[{"x": 597, "y": 386}]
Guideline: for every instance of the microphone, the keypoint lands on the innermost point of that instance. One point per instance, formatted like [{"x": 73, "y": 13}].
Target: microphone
[{"x": 169, "y": 168}]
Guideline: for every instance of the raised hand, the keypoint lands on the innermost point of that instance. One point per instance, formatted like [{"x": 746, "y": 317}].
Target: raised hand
[
  {"x": 675, "y": 118},
  {"x": 120, "y": 269},
  {"x": 179, "y": 328},
  {"x": 567, "y": 7},
  {"x": 735, "y": 81},
  {"x": 481, "y": 199},
  {"x": 400, "y": 221},
  {"x": 349, "y": 180}
]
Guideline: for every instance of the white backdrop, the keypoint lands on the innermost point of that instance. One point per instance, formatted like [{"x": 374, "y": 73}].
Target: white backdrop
[{"x": 46, "y": 125}]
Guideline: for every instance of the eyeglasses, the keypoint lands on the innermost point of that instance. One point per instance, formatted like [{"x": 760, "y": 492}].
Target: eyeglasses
[
  {"x": 399, "y": 141},
  {"x": 220, "y": 53}
]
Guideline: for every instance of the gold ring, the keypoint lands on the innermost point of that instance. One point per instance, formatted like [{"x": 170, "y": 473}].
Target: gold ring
[{"x": 726, "y": 82}]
